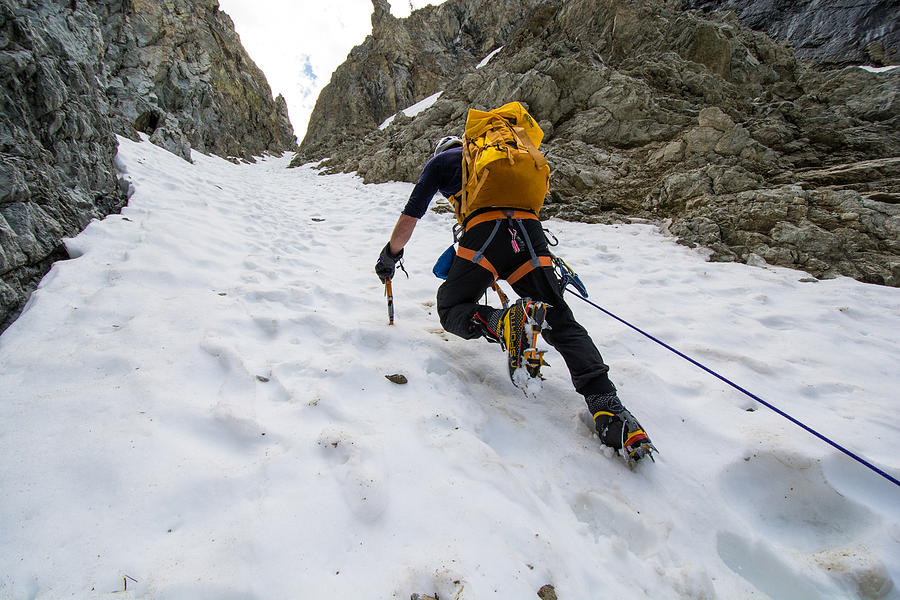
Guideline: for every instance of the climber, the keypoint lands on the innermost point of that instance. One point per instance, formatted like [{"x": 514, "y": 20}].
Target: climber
[{"x": 502, "y": 256}]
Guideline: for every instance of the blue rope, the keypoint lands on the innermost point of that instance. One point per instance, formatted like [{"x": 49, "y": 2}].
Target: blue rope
[{"x": 742, "y": 390}]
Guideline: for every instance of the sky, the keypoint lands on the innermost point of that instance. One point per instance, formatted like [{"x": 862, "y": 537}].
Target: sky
[{"x": 299, "y": 43}]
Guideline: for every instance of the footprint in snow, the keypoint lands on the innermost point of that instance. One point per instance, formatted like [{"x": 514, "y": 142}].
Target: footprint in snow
[
  {"x": 789, "y": 499},
  {"x": 358, "y": 468}
]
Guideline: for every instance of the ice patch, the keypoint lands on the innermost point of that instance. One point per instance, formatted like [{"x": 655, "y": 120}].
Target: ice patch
[
  {"x": 414, "y": 110},
  {"x": 488, "y": 58},
  {"x": 872, "y": 69}
]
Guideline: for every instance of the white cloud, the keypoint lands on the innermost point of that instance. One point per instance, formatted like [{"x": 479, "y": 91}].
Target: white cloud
[{"x": 299, "y": 43}]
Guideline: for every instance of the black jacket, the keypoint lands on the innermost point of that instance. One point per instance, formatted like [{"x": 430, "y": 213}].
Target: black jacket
[{"x": 443, "y": 174}]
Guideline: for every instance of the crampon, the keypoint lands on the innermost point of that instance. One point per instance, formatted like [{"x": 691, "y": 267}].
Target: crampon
[
  {"x": 621, "y": 431},
  {"x": 519, "y": 329}
]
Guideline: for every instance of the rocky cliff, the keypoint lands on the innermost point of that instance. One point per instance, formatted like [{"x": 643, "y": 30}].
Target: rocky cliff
[
  {"x": 74, "y": 74},
  {"x": 686, "y": 118},
  {"x": 176, "y": 71},
  {"x": 405, "y": 60},
  {"x": 835, "y": 33}
]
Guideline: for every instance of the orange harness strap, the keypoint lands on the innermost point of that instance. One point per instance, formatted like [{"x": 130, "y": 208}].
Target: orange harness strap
[
  {"x": 469, "y": 254},
  {"x": 493, "y": 215},
  {"x": 522, "y": 271},
  {"x": 527, "y": 267}
]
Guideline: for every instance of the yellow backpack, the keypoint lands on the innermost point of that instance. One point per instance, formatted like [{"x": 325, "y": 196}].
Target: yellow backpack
[{"x": 502, "y": 166}]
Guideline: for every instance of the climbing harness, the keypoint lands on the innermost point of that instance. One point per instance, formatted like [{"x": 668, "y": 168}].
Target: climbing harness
[
  {"x": 512, "y": 217},
  {"x": 577, "y": 292}
]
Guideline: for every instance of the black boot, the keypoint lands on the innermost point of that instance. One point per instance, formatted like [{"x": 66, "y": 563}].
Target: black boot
[
  {"x": 618, "y": 428},
  {"x": 487, "y": 324}
]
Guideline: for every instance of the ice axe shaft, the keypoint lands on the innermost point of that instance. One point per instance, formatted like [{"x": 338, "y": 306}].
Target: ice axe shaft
[
  {"x": 503, "y": 298},
  {"x": 390, "y": 300}
]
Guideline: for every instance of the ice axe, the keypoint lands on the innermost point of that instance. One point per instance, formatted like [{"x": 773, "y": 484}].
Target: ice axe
[
  {"x": 390, "y": 300},
  {"x": 504, "y": 300}
]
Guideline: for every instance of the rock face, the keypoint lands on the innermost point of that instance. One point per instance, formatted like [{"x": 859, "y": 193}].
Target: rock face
[
  {"x": 837, "y": 33},
  {"x": 404, "y": 61},
  {"x": 685, "y": 118},
  {"x": 176, "y": 71},
  {"x": 73, "y": 75}
]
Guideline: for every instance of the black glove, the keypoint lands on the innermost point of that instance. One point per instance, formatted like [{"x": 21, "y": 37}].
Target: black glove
[{"x": 387, "y": 263}]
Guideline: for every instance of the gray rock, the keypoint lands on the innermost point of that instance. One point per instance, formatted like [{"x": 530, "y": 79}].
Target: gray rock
[
  {"x": 168, "y": 135},
  {"x": 179, "y": 66},
  {"x": 712, "y": 116},
  {"x": 840, "y": 32}
]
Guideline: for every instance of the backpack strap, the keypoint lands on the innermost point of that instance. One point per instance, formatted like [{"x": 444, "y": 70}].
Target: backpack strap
[
  {"x": 540, "y": 161},
  {"x": 468, "y": 164},
  {"x": 456, "y": 202}
]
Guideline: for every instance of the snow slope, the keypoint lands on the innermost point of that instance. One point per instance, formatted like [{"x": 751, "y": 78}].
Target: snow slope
[{"x": 196, "y": 408}]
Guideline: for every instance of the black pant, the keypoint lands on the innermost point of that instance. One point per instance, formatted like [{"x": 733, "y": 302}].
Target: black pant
[{"x": 466, "y": 283}]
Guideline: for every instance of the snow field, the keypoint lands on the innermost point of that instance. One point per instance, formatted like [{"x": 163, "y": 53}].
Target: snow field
[{"x": 197, "y": 406}]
